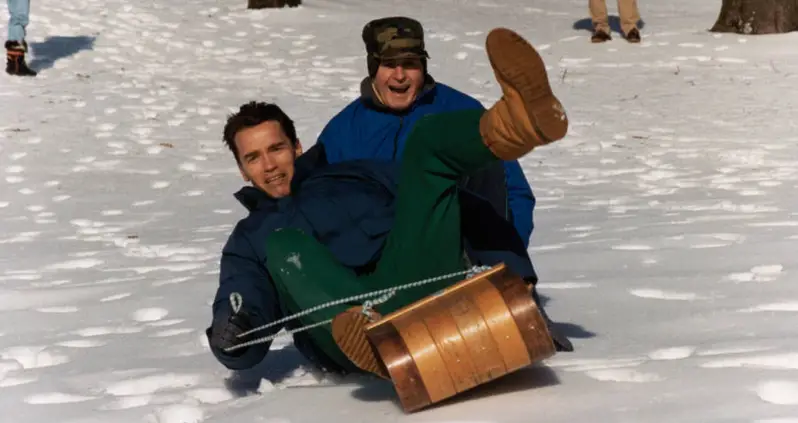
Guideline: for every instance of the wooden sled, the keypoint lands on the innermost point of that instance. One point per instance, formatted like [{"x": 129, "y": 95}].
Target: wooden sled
[{"x": 473, "y": 332}]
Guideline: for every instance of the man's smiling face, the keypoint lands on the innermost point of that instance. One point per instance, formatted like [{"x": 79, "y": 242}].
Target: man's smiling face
[
  {"x": 398, "y": 82},
  {"x": 266, "y": 158}
]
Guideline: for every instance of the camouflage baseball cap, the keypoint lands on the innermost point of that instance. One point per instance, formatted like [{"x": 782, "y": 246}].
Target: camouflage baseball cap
[{"x": 394, "y": 37}]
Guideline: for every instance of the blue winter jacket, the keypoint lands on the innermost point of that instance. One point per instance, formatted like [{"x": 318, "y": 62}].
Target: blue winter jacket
[
  {"x": 366, "y": 129},
  {"x": 349, "y": 207}
]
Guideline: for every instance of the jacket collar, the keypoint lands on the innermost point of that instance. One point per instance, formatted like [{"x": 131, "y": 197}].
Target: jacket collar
[
  {"x": 253, "y": 198},
  {"x": 370, "y": 98}
]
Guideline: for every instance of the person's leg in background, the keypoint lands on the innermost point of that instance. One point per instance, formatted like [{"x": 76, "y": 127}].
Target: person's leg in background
[
  {"x": 16, "y": 46},
  {"x": 600, "y": 20},
  {"x": 630, "y": 15}
]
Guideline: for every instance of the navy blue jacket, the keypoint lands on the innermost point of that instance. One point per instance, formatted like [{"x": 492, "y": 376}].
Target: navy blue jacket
[
  {"x": 366, "y": 129},
  {"x": 349, "y": 207}
]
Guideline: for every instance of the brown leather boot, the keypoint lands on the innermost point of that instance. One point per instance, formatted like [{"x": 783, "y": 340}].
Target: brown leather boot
[
  {"x": 15, "y": 59},
  {"x": 600, "y": 36},
  {"x": 528, "y": 115},
  {"x": 633, "y": 36}
]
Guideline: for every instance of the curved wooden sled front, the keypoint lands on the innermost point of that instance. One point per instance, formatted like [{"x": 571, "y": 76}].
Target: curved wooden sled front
[{"x": 473, "y": 332}]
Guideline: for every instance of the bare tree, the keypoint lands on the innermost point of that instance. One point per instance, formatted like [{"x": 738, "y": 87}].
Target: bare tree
[
  {"x": 262, "y": 4},
  {"x": 757, "y": 16}
]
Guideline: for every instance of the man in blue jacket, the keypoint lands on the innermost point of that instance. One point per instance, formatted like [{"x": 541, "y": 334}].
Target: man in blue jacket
[
  {"x": 322, "y": 232},
  {"x": 396, "y": 94}
]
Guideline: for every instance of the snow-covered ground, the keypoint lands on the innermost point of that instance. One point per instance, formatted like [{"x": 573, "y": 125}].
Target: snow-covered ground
[{"x": 667, "y": 220}]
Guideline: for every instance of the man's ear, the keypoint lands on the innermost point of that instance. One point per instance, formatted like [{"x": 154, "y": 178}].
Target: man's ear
[{"x": 298, "y": 148}]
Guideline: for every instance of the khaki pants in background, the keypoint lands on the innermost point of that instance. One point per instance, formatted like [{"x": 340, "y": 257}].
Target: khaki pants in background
[{"x": 627, "y": 10}]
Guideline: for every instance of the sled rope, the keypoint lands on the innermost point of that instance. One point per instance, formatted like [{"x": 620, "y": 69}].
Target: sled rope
[{"x": 384, "y": 294}]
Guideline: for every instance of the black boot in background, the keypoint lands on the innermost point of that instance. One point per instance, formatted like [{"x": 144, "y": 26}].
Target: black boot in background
[{"x": 15, "y": 59}]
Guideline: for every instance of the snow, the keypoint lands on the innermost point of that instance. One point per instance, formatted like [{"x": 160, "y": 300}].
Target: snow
[{"x": 665, "y": 230}]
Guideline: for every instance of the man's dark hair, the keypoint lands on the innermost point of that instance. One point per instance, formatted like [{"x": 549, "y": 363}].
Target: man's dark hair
[{"x": 253, "y": 114}]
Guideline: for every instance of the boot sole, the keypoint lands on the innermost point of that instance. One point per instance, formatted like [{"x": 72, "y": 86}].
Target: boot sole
[
  {"x": 520, "y": 66},
  {"x": 349, "y": 333}
]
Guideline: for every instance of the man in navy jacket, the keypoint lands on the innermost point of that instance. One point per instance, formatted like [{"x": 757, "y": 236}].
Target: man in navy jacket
[{"x": 396, "y": 94}]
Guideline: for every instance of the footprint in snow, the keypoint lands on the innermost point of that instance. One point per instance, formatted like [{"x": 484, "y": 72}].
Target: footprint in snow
[
  {"x": 127, "y": 402},
  {"x": 9, "y": 382},
  {"x": 149, "y": 314},
  {"x": 160, "y": 184},
  {"x": 82, "y": 343},
  {"x": 785, "y": 306},
  {"x": 103, "y": 331},
  {"x": 211, "y": 395},
  {"x": 50, "y": 398},
  {"x": 178, "y": 413},
  {"x": 781, "y": 392},
  {"x": 665, "y": 295},
  {"x": 116, "y": 297},
  {"x": 761, "y": 273},
  {"x": 152, "y": 384},
  {"x": 168, "y": 322},
  {"x": 33, "y": 357},
  {"x": 623, "y": 375},
  {"x": 58, "y": 310},
  {"x": 674, "y": 353},
  {"x": 75, "y": 264},
  {"x": 172, "y": 332},
  {"x": 786, "y": 361}
]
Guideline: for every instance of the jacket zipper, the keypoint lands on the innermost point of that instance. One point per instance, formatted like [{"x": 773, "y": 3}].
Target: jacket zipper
[{"x": 396, "y": 138}]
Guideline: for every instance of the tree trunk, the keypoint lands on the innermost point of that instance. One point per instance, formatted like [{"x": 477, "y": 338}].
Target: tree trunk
[
  {"x": 757, "y": 16},
  {"x": 262, "y": 4}
]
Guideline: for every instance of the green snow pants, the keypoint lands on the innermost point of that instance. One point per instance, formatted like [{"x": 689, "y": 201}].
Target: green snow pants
[{"x": 425, "y": 240}]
